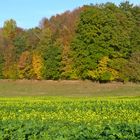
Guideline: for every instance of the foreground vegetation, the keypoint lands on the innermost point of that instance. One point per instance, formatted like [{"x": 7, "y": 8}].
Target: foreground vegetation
[
  {"x": 96, "y": 42},
  {"x": 56, "y": 118}
]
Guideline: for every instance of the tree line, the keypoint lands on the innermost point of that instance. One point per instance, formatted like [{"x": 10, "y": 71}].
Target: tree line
[{"x": 96, "y": 42}]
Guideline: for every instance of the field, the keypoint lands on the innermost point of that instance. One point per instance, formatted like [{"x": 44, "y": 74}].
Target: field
[
  {"x": 57, "y": 118},
  {"x": 72, "y": 110},
  {"x": 66, "y": 88}
]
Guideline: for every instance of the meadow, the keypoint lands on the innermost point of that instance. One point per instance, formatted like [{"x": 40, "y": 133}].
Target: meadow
[
  {"x": 67, "y": 88},
  {"x": 72, "y": 110}
]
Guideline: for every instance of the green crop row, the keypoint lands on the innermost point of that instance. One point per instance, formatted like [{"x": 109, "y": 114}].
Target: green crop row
[{"x": 44, "y": 118}]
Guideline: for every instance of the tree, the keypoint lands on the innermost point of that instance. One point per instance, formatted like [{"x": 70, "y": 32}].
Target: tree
[
  {"x": 92, "y": 42},
  {"x": 9, "y": 65},
  {"x": 131, "y": 71},
  {"x": 104, "y": 73},
  {"x": 9, "y": 32},
  {"x": 66, "y": 62},
  {"x": 32, "y": 38},
  {"x": 37, "y": 63},
  {"x": 135, "y": 35},
  {"x": 102, "y": 31},
  {"x": 1, "y": 63},
  {"x": 20, "y": 44},
  {"x": 63, "y": 29},
  {"x": 51, "y": 55},
  {"x": 9, "y": 29},
  {"x": 25, "y": 68}
]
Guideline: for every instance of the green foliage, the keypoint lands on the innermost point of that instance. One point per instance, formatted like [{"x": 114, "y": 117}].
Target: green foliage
[
  {"x": 52, "y": 58},
  {"x": 135, "y": 35},
  {"x": 20, "y": 44},
  {"x": 51, "y": 54},
  {"x": 41, "y": 118},
  {"x": 73, "y": 44},
  {"x": 100, "y": 32}
]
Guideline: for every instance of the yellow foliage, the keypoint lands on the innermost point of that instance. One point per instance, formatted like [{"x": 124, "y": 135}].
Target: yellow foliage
[
  {"x": 10, "y": 72},
  {"x": 102, "y": 69},
  {"x": 93, "y": 74},
  {"x": 114, "y": 74},
  {"x": 37, "y": 65}
]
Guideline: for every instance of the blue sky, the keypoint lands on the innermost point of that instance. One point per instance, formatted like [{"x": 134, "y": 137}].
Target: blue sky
[{"x": 28, "y": 13}]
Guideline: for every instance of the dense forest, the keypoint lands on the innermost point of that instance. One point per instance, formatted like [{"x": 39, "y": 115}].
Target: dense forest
[{"x": 96, "y": 42}]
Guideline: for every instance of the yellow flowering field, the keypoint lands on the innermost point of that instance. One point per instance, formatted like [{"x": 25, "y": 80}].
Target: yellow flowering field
[{"x": 61, "y": 118}]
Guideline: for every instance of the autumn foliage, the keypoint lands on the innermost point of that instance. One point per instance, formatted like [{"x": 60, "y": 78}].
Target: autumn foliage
[{"x": 96, "y": 42}]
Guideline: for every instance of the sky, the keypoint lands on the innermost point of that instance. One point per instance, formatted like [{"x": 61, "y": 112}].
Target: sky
[{"x": 28, "y": 13}]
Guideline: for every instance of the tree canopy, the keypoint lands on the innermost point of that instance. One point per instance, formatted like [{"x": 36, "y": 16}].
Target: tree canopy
[{"x": 96, "y": 42}]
